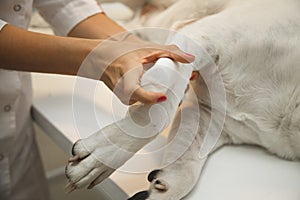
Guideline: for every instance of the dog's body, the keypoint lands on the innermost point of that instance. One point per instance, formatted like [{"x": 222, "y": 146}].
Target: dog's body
[{"x": 256, "y": 47}]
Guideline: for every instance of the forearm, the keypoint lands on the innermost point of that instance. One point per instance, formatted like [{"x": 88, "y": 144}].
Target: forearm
[
  {"x": 98, "y": 26},
  {"x": 28, "y": 51}
]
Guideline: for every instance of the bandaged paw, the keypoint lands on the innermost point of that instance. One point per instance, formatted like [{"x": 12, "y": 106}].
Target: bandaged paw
[{"x": 98, "y": 156}]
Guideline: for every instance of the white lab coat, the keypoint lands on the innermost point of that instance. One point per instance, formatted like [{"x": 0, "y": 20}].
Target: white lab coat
[{"x": 21, "y": 173}]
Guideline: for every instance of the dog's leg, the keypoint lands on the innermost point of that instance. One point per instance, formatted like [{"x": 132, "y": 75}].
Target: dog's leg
[
  {"x": 182, "y": 161},
  {"x": 97, "y": 157},
  {"x": 196, "y": 131}
]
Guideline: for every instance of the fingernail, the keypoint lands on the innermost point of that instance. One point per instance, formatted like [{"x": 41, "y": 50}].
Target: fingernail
[
  {"x": 189, "y": 55},
  {"x": 193, "y": 77},
  {"x": 161, "y": 99},
  {"x": 143, "y": 61}
]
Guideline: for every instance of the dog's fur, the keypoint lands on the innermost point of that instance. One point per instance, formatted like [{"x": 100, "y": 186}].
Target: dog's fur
[{"x": 256, "y": 47}]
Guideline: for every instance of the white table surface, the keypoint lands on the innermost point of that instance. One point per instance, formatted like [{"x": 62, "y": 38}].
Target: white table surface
[{"x": 232, "y": 173}]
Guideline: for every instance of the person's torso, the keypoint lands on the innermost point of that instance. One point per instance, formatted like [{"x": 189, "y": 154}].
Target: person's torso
[{"x": 15, "y": 87}]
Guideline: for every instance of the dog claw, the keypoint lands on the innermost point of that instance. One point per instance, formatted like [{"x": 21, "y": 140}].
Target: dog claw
[
  {"x": 70, "y": 187},
  {"x": 74, "y": 159},
  {"x": 91, "y": 186}
]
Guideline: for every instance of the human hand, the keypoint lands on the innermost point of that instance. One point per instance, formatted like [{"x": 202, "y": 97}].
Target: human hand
[{"x": 123, "y": 75}]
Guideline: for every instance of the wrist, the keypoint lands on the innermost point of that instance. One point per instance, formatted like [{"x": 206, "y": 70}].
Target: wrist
[{"x": 85, "y": 59}]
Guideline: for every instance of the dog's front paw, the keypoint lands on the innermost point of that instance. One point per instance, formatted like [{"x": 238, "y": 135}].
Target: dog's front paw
[
  {"x": 94, "y": 159},
  {"x": 98, "y": 156},
  {"x": 85, "y": 168}
]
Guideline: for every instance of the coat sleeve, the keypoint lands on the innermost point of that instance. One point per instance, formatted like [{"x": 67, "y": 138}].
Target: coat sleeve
[
  {"x": 2, "y": 24},
  {"x": 63, "y": 15}
]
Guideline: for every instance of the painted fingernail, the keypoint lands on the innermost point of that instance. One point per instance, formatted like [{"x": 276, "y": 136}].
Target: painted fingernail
[
  {"x": 193, "y": 77},
  {"x": 161, "y": 99},
  {"x": 189, "y": 55}
]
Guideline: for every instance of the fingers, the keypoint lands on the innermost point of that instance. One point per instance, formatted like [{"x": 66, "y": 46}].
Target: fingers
[
  {"x": 133, "y": 92},
  {"x": 145, "y": 97},
  {"x": 148, "y": 97},
  {"x": 178, "y": 56},
  {"x": 151, "y": 97},
  {"x": 172, "y": 52},
  {"x": 128, "y": 89},
  {"x": 182, "y": 57}
]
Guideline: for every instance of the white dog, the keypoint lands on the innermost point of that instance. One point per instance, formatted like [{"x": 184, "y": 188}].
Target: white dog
[{"x": 256, "y": 46}]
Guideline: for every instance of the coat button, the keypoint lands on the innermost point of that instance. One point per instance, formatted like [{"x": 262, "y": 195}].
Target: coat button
[
  {"x": 7, "y": 108},
  {"x": 17, "y": 7}
]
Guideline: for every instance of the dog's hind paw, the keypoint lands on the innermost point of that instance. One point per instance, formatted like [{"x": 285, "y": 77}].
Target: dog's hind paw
[
  {"x": 159, "y": 189},
  {"x": 143, "y": 195},
  {"x": 170, "y": 183}
]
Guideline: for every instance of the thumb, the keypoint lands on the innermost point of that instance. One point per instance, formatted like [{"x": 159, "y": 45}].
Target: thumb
[{"x": 147, "y": 97}]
